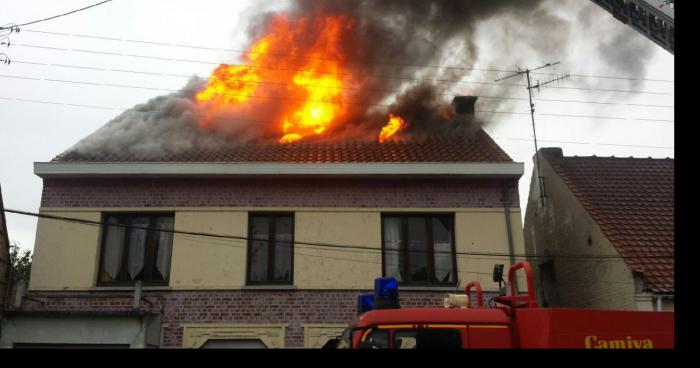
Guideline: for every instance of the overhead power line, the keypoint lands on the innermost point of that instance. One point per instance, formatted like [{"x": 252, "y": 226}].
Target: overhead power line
[
  {"x": 287, "y": 84},
  {"x": 365, "y": 62},
  {"x": 220, "y": 242},
  {"x": 319, "y": 244},
  {"x": 57, "y": 16},
  {"x": 334, "y": 73},
  {"x": 280, "y": 98},
  {"x": 581, "y": 143}
]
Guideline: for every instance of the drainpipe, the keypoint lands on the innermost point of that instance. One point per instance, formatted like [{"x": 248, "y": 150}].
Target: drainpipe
[{"x": 509, "y": 231}]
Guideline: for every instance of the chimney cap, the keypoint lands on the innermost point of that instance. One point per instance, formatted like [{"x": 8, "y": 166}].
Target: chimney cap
[
  {"x": 464, "y": 104},
  {"x": 552, "y": 152}
]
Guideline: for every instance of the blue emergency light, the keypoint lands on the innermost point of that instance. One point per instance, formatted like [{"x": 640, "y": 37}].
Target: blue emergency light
[
  {"x": 386, "y": 293},
  {"x": 365, "y": 303}
]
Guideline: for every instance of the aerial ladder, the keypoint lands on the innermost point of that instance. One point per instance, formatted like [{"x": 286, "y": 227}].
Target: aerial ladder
[{"x": 652, "y": 18}]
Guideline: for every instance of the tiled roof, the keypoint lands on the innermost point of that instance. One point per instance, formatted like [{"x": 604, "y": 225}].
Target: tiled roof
[
  {"x": 478, "y": 147},
  {"x": 632, "y": 200}
]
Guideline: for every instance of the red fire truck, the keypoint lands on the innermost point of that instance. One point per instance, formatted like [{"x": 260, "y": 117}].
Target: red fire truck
[{"x": 514, "y": 321}]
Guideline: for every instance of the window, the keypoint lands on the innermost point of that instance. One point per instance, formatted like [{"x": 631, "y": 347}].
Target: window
[
  {"x": 270, "y": 248},
  {"x": 136, "y": 250},
  {"x": 427, "y": 339},
  {"x": 419, "y": 249},
  {"x": 378, "y": 339}
]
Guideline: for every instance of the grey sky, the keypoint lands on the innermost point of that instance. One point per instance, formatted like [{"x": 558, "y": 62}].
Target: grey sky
[{"x": 595, "y": 45}]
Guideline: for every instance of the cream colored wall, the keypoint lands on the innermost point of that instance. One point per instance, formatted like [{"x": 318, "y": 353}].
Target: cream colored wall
[
  {"x": 200, "y": 262},
  {"x": 210, "y": 263},
  {"x": 337, "y": 268},
  {"x": 563, "y": 228},
  {"x": 485, "y": 232},
  {"x": 65, "y": 253}
]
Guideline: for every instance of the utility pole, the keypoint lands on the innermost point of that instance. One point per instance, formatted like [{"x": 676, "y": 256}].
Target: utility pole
[{"x": 530, "y": 87}]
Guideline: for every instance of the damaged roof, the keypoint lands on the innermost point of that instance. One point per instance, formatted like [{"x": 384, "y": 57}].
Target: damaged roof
[
  {"x": 478, "y": 147},
  {"x": 632, "y": 200}
]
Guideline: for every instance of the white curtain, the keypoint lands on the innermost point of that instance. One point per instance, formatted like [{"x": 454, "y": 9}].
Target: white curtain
[
  {"x": 442, "y": 247},
  {"x": 113, "y": 250},
  {"x": 165, "y": 246},
  {"x": 392, "y": 246},
  {"x": 137, "y": 246}
]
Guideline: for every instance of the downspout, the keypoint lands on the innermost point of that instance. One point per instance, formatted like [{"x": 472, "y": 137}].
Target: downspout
[{"x": 509, "y": 230}]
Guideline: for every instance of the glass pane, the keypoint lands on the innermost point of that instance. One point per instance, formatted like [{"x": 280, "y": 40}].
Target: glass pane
[
  {"x": 137, "y": 247},
  {"x": 283, "y": 249},
  {"x": 418, "y": 249},
  {"x": 165, "y": 248},
  {"x": 257, "y": 269},
  {"x": 113, "y": 251},
  {"x": 376, "y": 340},
  {"x": 392, "y": 246},
  {"x": 442, "y": 247}
]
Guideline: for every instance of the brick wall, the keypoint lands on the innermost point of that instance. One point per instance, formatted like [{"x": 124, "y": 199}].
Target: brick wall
[
  {"x": 211, "y": 192},
  {"x": 292, "y": 308}
]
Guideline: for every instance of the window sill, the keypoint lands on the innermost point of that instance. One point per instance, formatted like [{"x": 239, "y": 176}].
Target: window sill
[
  {"x": 269, "y": 287},
  {"x": 130, "y": 288}
]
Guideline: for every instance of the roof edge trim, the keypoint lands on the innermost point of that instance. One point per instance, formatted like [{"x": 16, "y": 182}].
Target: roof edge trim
[{"x": 170, "y": 169}]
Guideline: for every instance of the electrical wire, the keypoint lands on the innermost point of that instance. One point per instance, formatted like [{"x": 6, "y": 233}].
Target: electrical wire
[
  {"x": 57, "y": 16},
  {"x": 260, "y": 121},
  {"x": 287, "y": 84},
  {"x": 316, "y": 58},
  {"x": 317, "y": 101},
  {"x": 337, "y": 73},
  {"x": 324, "y": 245}
]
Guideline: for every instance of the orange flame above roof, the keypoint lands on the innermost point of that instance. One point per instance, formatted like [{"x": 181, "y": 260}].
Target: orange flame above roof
[
  {"x": 395, "y": 124},
  {"x": 309, "y": 69}
]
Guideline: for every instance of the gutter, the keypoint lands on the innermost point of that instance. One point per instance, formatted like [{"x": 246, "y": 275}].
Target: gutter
[{"x": 218, "y": 169}]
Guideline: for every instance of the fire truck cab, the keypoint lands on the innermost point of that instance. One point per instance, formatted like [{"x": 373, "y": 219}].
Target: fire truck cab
[{"x": 513, "y": 321}]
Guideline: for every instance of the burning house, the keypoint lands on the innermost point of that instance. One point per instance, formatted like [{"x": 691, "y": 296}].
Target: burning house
[{"x": 250, "y": 209}]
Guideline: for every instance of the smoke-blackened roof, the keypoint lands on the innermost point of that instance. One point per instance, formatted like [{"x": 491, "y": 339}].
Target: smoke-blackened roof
[
  {"x": 478, "y": 147},
  {"x": 632, "y": 200}
]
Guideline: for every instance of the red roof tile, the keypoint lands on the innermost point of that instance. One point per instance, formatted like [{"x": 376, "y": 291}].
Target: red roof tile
[
  {"x": 478, "y": 147},
  {"x": 632, "y": 200}
]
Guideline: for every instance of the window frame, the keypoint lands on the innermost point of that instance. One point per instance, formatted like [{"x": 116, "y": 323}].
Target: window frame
[
  {"x": 151, "y": 249},
  {"x": 404, "y": 254},
  {"x": 270, "y": 249}
]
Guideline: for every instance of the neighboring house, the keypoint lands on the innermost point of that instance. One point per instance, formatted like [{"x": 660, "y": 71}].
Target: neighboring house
[
  {"x": 304, "y": 229},
  {"x": 4, "y": 259},
  {"x": 605, "y": 235}
]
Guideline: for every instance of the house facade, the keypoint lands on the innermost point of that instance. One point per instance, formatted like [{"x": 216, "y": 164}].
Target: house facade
[
  {"x": 260, "y": 245},
  {"x": 603, "y": 233}
]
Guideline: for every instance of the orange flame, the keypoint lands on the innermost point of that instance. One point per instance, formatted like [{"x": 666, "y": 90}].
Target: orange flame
[
  {"x": 295, "y": 75},
  {"x": 394, "y": 125},
  {"x": 311, "y": 74}
]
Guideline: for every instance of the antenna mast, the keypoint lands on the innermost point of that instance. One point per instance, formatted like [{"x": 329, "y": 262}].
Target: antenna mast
[{"x": 530, "y": 87}]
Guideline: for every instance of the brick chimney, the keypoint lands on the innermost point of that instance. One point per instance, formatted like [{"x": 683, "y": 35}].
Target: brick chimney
[
  {"x": 552, "y": 152},
  {"x": 464, "y": 105}
]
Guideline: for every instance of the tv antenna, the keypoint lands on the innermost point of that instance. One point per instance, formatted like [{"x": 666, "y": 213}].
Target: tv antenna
[{"x": 530, "y": 87}]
